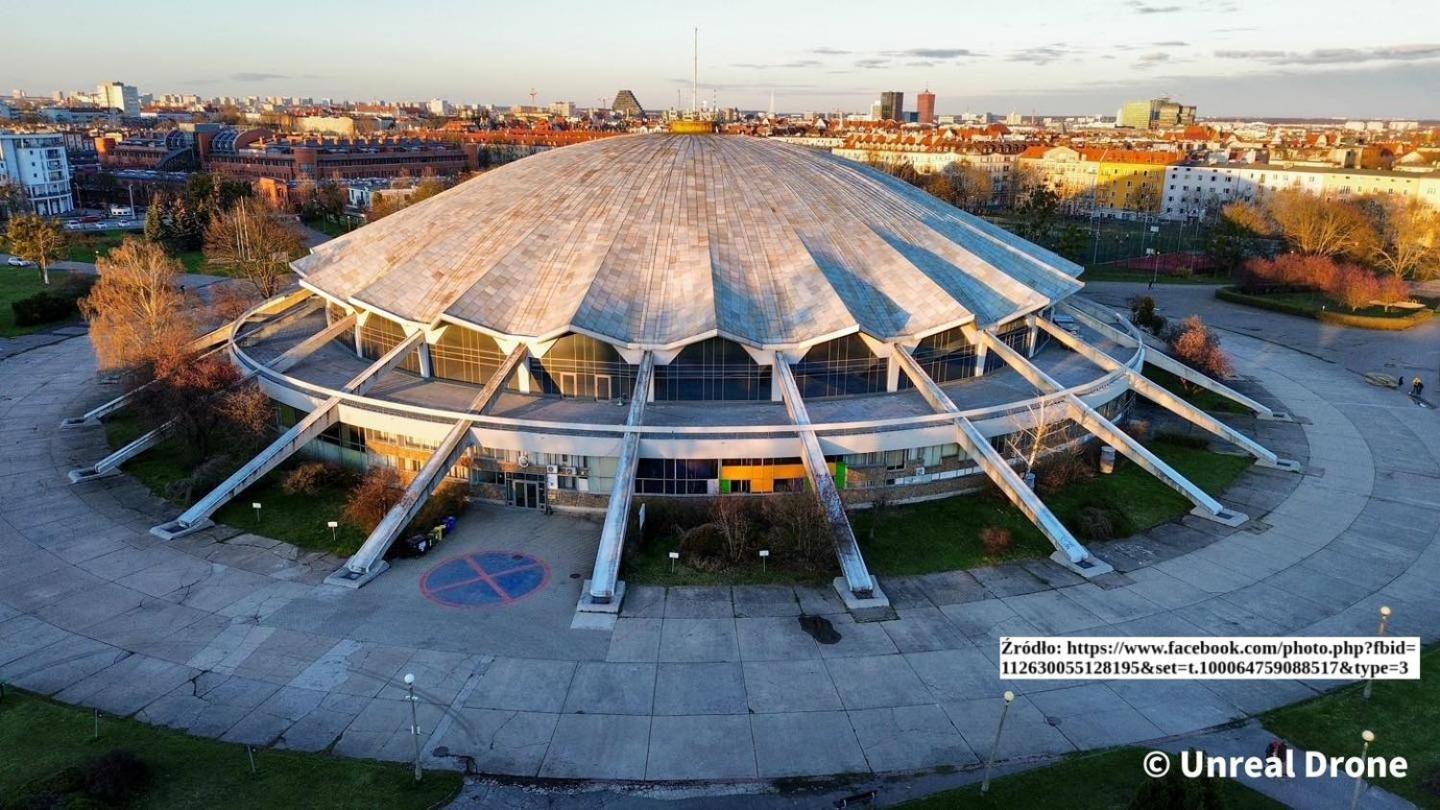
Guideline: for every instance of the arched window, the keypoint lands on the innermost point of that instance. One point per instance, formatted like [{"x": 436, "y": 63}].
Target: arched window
[
  {"x": 379, "y": 335},
  {"x": 713, "y": 369},
  {"x": 466, "y": 355},
  {"x": 579, "y": 366},
  {"x": 838, "y": 368}
]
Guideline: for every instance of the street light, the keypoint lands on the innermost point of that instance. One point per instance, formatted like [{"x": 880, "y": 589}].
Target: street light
[
  {"x": 414, "y": 719},
  {"x": 1368, "y": 737},
  {"x": 995, "y": 746},
  {"x": 1384, "y": 620}
]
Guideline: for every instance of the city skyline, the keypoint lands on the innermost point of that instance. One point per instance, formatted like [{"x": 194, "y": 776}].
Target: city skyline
[{"x": 1285, "y": 60}]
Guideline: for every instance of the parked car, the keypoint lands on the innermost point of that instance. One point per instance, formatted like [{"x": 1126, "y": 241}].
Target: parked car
[{"x": 16, "y": 261}]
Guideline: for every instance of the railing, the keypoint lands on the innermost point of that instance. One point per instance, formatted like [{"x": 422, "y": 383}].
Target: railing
[{"x": 617, "y": 431}]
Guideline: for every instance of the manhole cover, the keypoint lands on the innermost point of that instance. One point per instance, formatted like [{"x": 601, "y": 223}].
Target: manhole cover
[{"x": 485, "y": 579}]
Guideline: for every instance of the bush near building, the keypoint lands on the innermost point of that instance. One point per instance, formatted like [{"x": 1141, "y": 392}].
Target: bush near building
[
  {"x": 1351, "y": 286},
  {"x": 54, "y": 304}
]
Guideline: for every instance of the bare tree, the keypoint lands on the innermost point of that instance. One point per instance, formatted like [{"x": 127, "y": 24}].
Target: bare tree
[
  {"x": 1407, "y": 234},
  {"x": 253, "y": 243},
  {"x": 1320, "y": 225},
  {"x": 733, "y": 519},
  {"x": 37, "y": 239},
  {"x": 136, "y": 310},
  {"x": 1033, "y": 431}
]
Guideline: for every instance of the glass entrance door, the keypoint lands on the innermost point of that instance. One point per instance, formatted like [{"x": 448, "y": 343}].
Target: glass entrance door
[{"x": 525, "y": 494}]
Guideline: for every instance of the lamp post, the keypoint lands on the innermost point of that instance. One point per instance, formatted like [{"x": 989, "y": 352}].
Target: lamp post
[
  {"x": 1384, "y": 620},
  {"x": 1368, "y": 737},
  {"x": 414, "y": 719},
  {"x": 995, "y": 746}
]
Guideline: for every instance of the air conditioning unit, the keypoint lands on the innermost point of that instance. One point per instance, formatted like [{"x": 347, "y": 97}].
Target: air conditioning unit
[
  {"x": 919, "y": 470},
  {"x": 552, "y": 469}
]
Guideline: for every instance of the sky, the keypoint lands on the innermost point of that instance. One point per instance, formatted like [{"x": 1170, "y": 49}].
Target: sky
[{"x": 1231, "y": 58}]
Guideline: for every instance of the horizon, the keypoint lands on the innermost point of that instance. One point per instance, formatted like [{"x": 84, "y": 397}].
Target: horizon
[{"x": 1288, "y": 59}]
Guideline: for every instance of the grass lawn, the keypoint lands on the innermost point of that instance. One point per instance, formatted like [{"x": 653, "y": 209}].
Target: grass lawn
[
  {"x": 332, "y": 227},
  {"x": 296, "y": 519},
  {"x": 1202, "y": 398},
  {"x": 944, "y": 535},
  {"x": 1315, "y": 302},
  {"x": 1101, "y": 781},
  {"x": 1405, "y": 716},
  {"x": 22, "y": 282},
  {"x": 44, "y": 738},
  {"x": 1100, "y": 272},
  {"x": 82, "y": 247}
]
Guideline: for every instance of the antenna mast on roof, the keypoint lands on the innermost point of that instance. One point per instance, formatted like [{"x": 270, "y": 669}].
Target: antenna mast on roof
[{"x": 695, "y": 75}]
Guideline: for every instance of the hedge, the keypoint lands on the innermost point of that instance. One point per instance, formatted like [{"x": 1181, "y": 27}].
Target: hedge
[
  {"x": 48, "y": 306},
  {"x": 1395, "y": 324}
]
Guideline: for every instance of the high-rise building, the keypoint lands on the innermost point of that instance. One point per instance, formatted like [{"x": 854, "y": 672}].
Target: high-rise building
[
  {"x": 36, "y": 162},
  {"x": 925, "y": 107},
  {"x": 119, "y": 96},
  {"x": 1156, "y": 113},
  {"x": 892, "y": 105},
  {"x": 627, "y": 105}
]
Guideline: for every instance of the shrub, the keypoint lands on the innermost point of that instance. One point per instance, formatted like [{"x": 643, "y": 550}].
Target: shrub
[
  {"x": 44, "y": 307},
  {"x": 1180, "y": 439},
  {"x": 1393, "y": 290},
  {"x": 116, "y": 777},
  {"x": 308, "y": 478},
  {"x": 996, "y": 540},
  {"x": 1175, "y": 790},
  {"x": 1354, "y": 287},
  {"x": 1060, "y": 470},
  {"x": 373, "y": 497},
  {"x": 702, "y": 548},
  {"x": 1094, "y": 523},
  {"x": 1142, "y": 312},
  {"x": 204, "y": 477},
  {"x": 1195, "y": 345},
  {"x": 799, "y": 532}
]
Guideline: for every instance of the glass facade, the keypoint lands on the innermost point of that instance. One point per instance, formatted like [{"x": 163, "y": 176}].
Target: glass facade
[
  {"x": 840, "y": 367},
  {"x": 581, "y": 367},
  {"x": 379, "y": 335},
  {"x": 945, "y": 356},
  {"x": 1014, "y": 335},
  {"x": 714, "y": 369},
  {"x": 672, "y": 476},
  {"x": 465, "y": 355}
]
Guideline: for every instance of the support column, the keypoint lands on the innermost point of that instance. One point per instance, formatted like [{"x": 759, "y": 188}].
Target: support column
[
  {"x": 1093, "y": 421},
  {"x": 1068, "y": 551},
  {"x": 604, "y": 591},
  {"x": 892, "y": 373},
  {"x": 1157, "y": 394},
  {"x": 369, "y": 561},
  {"x": 427, "y": 369},
  {"x": 981, "y": 352},
  {"x": 857, "y": 588}
]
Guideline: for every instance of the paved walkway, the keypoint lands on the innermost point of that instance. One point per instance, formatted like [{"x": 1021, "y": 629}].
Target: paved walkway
[{"x": 228, "y": 635}]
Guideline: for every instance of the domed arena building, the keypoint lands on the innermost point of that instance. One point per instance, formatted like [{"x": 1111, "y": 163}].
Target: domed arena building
[{"x": 694, "y": 315}]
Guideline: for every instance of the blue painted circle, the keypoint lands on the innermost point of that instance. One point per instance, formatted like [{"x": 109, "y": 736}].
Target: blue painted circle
[{"x": 485, "y": 579}]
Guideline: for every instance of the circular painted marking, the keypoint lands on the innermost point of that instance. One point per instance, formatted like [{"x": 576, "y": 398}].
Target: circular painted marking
[{"x": 485, "y": 579}]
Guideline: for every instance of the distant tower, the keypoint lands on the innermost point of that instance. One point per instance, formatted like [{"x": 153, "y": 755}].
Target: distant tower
[
  {"x": 695, "y": 76},
  {"x": 925, "y": 107},
  {"x": 627, "y": 105},
  {"x": 772, "y": 103},
  {"x": 532, "y": 96}
]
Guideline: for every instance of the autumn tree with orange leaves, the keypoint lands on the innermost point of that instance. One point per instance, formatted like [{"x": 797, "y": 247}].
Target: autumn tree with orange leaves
[{"x": 137, "y": 310}]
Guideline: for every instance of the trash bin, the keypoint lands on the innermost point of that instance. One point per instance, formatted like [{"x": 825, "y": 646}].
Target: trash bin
[{"x": 1107, "y": 460}]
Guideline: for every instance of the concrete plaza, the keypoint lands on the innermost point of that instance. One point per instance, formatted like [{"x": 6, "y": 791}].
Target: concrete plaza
[{"x": 230, "y": 635}]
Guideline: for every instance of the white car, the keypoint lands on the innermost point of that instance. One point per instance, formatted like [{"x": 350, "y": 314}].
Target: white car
[{"x": 16, "y": 261}]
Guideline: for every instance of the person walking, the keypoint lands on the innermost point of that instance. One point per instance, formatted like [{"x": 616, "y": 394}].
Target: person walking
[{"x": 1416, "y": 387}]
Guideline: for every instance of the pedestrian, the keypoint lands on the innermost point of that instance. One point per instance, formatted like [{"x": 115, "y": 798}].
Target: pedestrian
[{"x": 1416, "y": 387}]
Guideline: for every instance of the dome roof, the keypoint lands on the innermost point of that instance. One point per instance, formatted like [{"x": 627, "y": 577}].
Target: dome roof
[{"x": 657, "y": 240}]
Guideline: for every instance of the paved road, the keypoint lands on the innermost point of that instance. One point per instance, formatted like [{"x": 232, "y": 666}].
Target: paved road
[
  {"x": 1414, "y": 351},
  {"x": 229, "y": 635}
]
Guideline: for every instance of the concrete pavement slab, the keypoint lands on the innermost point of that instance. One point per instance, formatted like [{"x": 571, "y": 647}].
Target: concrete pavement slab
[
  {"x": 701, "y": 748},
  {"x": 693, "y": 689}
]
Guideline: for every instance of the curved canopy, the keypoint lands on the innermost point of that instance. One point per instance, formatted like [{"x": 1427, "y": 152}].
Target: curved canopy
[{"x": 657, "y": 240}]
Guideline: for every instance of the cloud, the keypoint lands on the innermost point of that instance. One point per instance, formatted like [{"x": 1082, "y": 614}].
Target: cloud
[
  {"x": 1150, "y": 60},
  {"x": 257, "y": 77},
  {"x": 831, "y": 51},
  {"x": 1042, "y": 54},
  {"x": 1145, "y": 8},
  {"x": 1172, "y": 43},
  {"x": 934, "y": 53},
  {"x": 1337, "y": 56},
  {"x": 871, "y": 64},
  {"x": 798, "y": 63}
]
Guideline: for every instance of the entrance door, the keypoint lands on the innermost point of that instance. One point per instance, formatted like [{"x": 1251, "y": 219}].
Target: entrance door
[
  {"x": 526, "y": 494},
  {"x": 567, "y": 384},
  {"x": 602, "y": 387}
]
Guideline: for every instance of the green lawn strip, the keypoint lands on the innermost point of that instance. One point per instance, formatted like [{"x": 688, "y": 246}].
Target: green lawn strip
[
  {"x": 296, "y": 519},
  {"x": 1405, "y": 716},
  {"x": 1202, "y": 398},
  {"x": 22, "y": 282},
  {"x": 1098, "y": 272},
  {"x": 83, "y": 247},
  {"x": 1098, "y": 781},
  {"x": 331, "y": 227},
  {"x": 42, "y": 738},
  {"x": 944, "y": 534}
]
